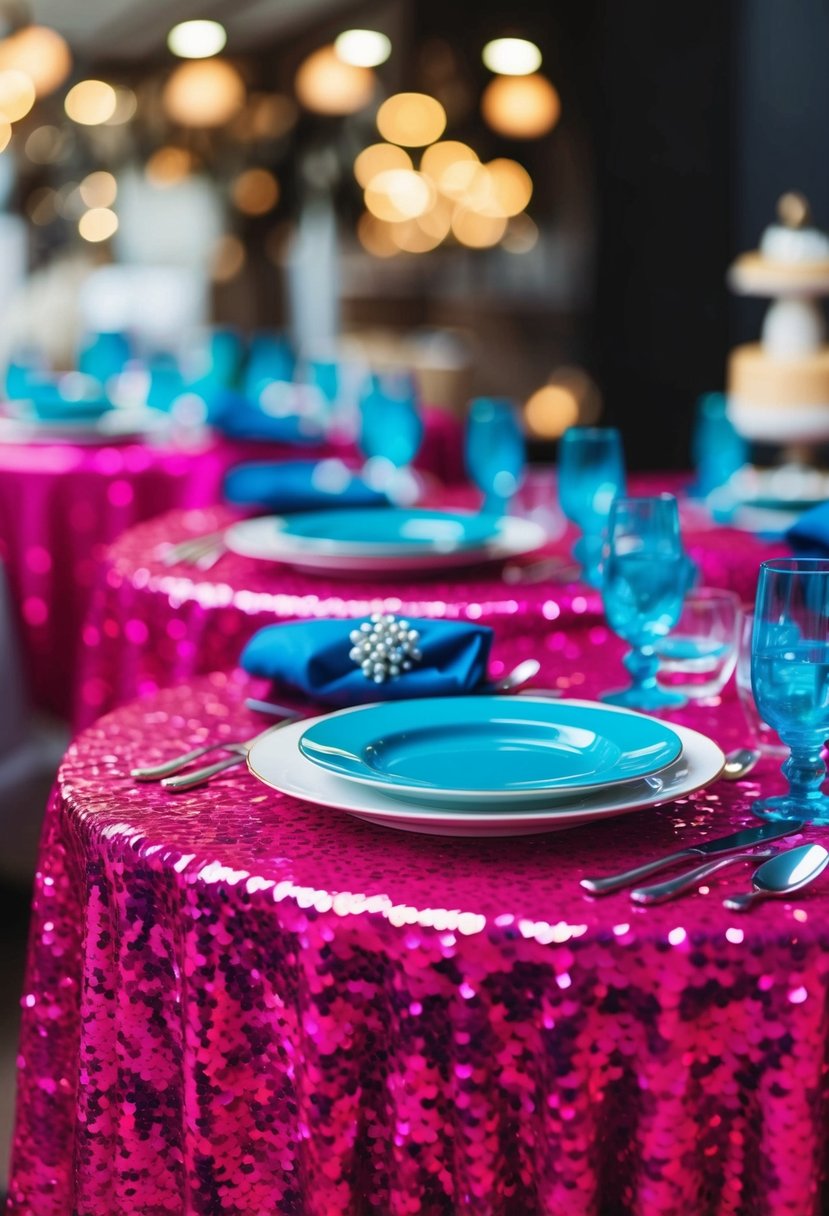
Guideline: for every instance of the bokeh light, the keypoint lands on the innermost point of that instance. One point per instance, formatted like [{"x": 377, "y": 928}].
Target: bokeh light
[
  {"x": 411, "y": 119},
  {"x": 255, "y": 191},
  {"x": 41, "y": 53},
  {"x": 376, "y": 158},
  {"x": 477, "y": 231},
  {"x": 521, "y": 107},
  {"x": 398, "y": 194},
  {"x": 551, "y": 410},
  {"x": 169, "y": 165},
  {"x": 272, "y": 115},
  {"x": 204, "y": 93},
  {"x": 363, "y": 48},
  {"x": 196, "y": 39},
  {"x": 17, "y": 94},
  {"x": 410, "y": 237},
  {"x": 126, "y": 103},
  {"x": 99, "y": 189},
  {"x": 98, "y": 224},
  {"x": 41, "y": 206},
  {"x": 326, "y": 85},
  {"x": 90, "y": 102},
  {"x": 511, "y": 56},
  {"x": 228, "y": 259},
  {"x": 375, "y": 236},
  {"x": 45, "y": 145},
  {"x": 5, "y": 132},
  {"x": 438, "y": 159},
  {"x": 510, "y": 186},
  {"x": 521, "y": 235}
]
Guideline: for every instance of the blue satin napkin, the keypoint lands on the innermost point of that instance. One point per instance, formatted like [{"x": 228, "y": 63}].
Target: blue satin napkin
[
  {"x": 314, "y": 657},
  {"x": 299, "y": 485},
  {"x": 809, "y": 537}
]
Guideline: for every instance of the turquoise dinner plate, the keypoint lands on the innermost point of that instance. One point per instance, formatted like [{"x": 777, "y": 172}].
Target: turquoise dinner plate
[
  {"x": 488, "y": 750},
  {"x": 392, "y": 529}
]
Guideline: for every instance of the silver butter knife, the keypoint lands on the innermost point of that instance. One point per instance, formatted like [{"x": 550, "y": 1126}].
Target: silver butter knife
[{"x": 737, "y": 842}]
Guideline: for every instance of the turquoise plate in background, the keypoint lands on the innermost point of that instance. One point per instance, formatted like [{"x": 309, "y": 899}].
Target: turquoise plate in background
[
  {"x": 488, "y": 750},
  {"x": 391, "y": 530}
]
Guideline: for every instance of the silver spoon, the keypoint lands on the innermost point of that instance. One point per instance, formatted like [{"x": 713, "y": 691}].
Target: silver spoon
[
  {"x": 784, "y": 874},
  {"x": 518, "y": 677},
  {"x": 739, "y": 763}
]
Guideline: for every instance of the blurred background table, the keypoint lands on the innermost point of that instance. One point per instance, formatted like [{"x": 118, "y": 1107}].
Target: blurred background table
[
  {"x": 267, "y": 1006},
  {"x": 62, "y": 503},
  {"x": 150, "y": 624}
]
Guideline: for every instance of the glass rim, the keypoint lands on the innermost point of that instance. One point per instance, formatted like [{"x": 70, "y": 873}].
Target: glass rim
[
  {"x": 714, "y": 593},
  {"x": 796, "y": 565},
  {"x": 662, "y": 497},
  {"x": 589, "y": 430}
]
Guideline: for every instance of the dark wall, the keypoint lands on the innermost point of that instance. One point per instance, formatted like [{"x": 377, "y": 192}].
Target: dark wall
[{"x": 663, "y": 180}]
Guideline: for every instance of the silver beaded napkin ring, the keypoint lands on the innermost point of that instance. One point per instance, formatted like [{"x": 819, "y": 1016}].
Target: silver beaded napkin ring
[{"x": 384, "y": 647}]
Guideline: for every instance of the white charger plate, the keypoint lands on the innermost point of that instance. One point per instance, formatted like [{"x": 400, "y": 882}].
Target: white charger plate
[
  {"x": 115, "y": 426},
  {"x": 261, "y": 539},
  {"x": 276, "y": 761}
]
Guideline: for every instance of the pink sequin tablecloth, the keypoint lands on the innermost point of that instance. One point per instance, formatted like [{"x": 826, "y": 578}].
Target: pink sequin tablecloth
[
  {"x": 61, "y": 504},
  {"x": 151, "y": 624},
  {"x": 239, "y": 1004}
]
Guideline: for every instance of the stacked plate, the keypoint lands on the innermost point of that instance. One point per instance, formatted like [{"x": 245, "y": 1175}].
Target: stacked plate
[
  {"x": 21, "y": 423},
  {"x": 485, "y": 765},
  {"x": 379, "y": 541}
]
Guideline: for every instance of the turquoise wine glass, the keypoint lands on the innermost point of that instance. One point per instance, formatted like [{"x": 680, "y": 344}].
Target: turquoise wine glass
[
  {"x": 591, "y": 474},
  {"x": 495, "y": 451},
  {"x": 644, "y": 584},
  {"x": 790, "y": 679}
]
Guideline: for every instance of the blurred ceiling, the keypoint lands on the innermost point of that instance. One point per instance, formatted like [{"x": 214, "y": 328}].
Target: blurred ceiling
[{"x": 134, "y": 29}]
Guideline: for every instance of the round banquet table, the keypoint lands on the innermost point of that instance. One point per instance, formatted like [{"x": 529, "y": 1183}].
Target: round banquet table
[
  {"x": 238, "y": 1003},
  {"x": 62, "y": 503},
  {"x": 151, "y": 624}
]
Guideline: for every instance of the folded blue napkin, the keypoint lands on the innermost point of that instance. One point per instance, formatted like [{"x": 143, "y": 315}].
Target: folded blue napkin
[
  {"x": 810, "y": 535},
  {"x": 240, "y": 418},
  {"x": 299, "y": 485},
  {"x": 315, "y": 657}
]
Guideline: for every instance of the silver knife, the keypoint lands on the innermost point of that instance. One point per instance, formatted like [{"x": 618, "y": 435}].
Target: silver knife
[{"x": 735, "y": 843}]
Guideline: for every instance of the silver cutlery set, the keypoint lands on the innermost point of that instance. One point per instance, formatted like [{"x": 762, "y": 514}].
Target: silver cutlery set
[
  {"x": 203, "y": 552},
  {"x": 782, "y": 873}
]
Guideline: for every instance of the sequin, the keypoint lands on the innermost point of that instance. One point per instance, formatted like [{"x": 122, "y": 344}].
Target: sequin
[{"x": 239, "y": 1004}]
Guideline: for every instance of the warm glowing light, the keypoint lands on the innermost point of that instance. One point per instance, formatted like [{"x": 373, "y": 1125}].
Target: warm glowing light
[
  {"x": 41, "y": 206},
  {"x": 204, "y": 93},
  {"x": 272, "y": 115},
  {"x": 326, "y": 85},
  {"x": 521, "y": 235},
  {"x": 98, "y": 224},
  {"x": 411, "y": 119},
  {"x": 411, "y": 238},
  {"x": 398, "y": 194},
  {"x": 511, "y": 56},
  {"x": 45, "y": 145},
  {"x": 462, "y": 178},
  {"x": 17, "y": 94},
  {"x": 475, "y": 230},
  {"x": 510, "y": 186},
  {"x": 437, "y": 221},
  {"x": 90, "y": 102},
  {"x": 363, "y": 48},
  {"x": 5, "y": 132},
  {"x": 551, "y": 410},
  {"x": 375, "y": 236},
  {"x": 376, "y": 158},
  {"x": 521, "y": 107},
  {"x": 41, "y": 53},
  {"x": 196, "y": 39},
  {"x": 442, "y": 156},
  {"x": 169, "y": 165},
  {"x": 126, "y": 103},
  {"x": 255, "y": 192},
  {"x": 228, "y": 259},
  {"x": 99, "y": 189}
]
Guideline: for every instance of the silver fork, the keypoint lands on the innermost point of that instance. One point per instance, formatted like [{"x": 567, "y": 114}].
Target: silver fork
[
  {"x": 239, "y": 747},
  {"x": 194, "y": 549},
  {"x": 201, "y": 776}
]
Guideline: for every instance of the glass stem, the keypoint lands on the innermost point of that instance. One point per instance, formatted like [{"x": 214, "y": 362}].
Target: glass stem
[
  {"x": 805, "y": 771},
  {"x": 643, "y": 665},
  {"x": 588, "y": 553}
]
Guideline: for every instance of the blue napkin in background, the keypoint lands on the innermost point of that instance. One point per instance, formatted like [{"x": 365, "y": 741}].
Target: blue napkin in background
[
  {"x": 313, "y": 656},
  {"x": 810, "y": 535},
  {"x": 240, "y": 418},
  {"x": 299, "y": 485}
]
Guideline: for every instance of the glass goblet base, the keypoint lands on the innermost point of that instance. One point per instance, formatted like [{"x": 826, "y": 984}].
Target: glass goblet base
[
  {"x": 785, "y": 807},
  {"x": 649, "y": 697}
]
